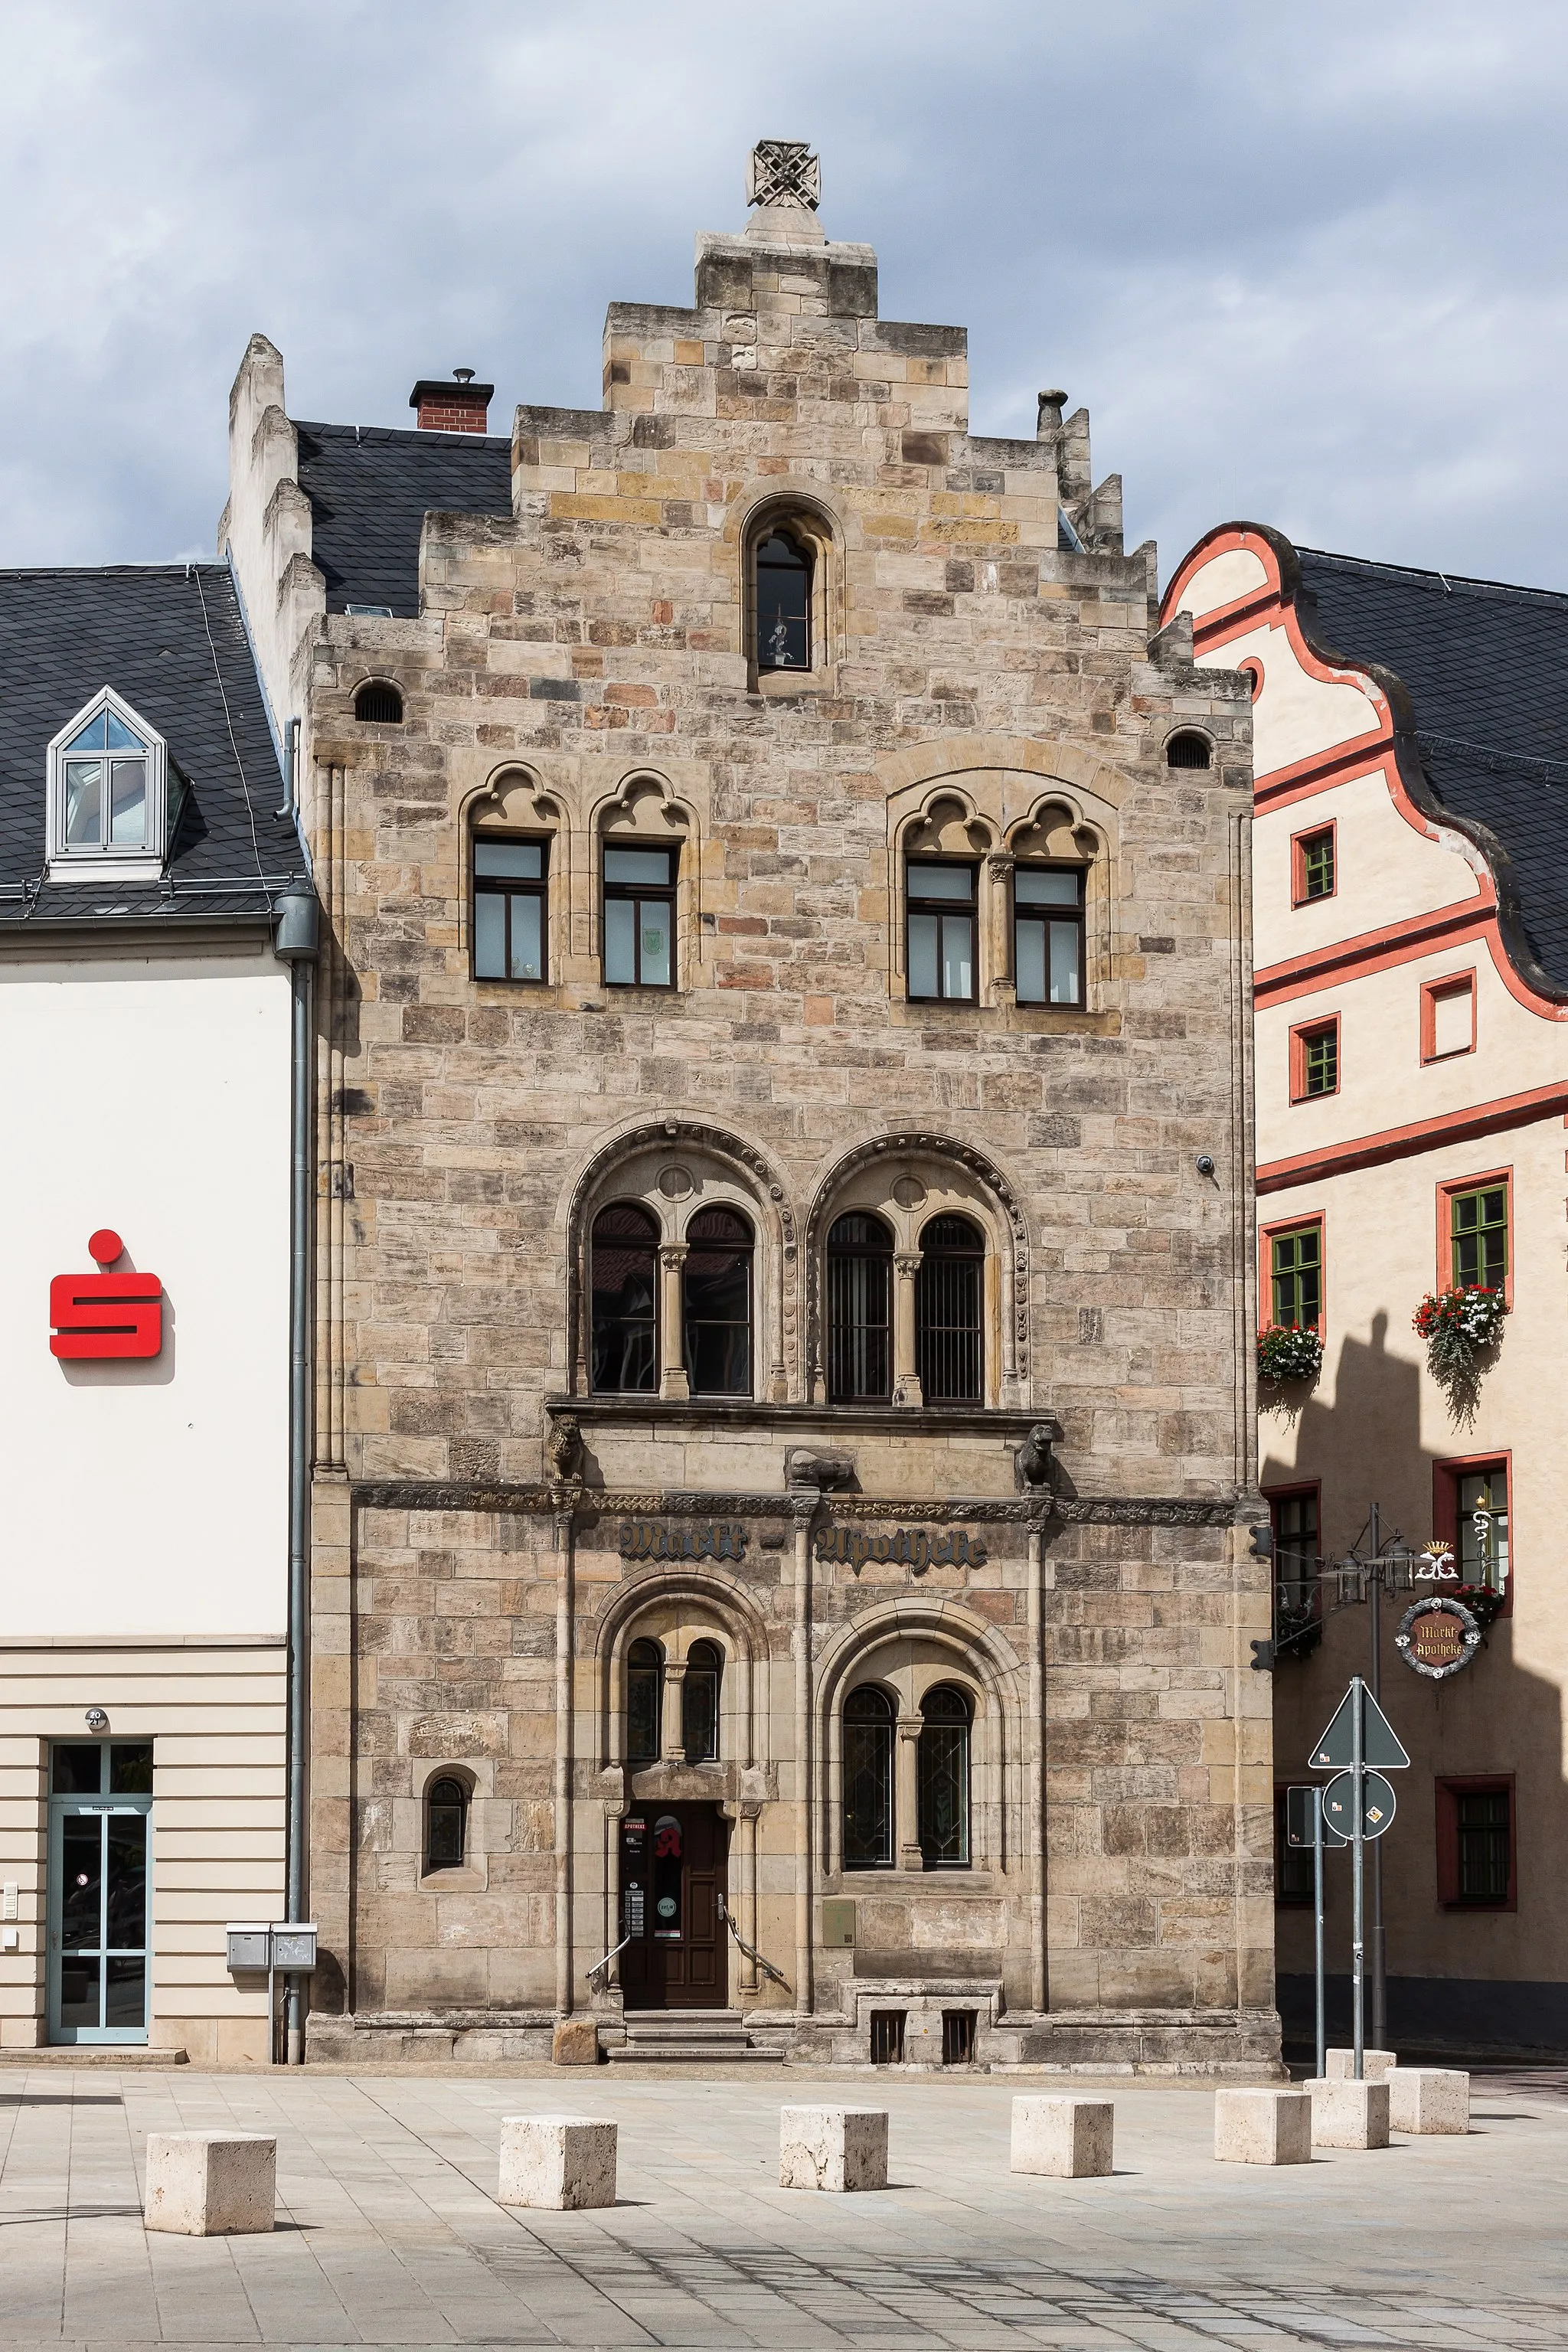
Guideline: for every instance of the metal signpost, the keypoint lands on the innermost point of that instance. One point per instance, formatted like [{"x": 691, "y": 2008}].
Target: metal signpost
[
  {"x": 1359, "y": 1738},
  {"x": 1305, "y": 1827}
]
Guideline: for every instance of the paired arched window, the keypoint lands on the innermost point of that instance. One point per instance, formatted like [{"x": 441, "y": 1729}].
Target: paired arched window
[
  {"x": 859, "y": 1309},
  {"x": 624, "y": 1285},
  {"x": 376, "y": 704},
  {"x": 445, "y": 1824},
  {"x": 782, "y": 575},
  {"x": 868, "y": 1778},
  {"x": 948, "y": 1303},
  {"x": 644, "y": 1701},
  {"x": 701, "y": 1679},
  {"x": 716, "y": 1303},
  {"x": 942, "y": 1777}
]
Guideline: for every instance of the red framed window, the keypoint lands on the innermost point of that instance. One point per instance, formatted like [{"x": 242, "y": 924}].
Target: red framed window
[
  {"x": 1477, "y": 1843},
  {"x": 1449, "y": 1017},
  {"x": 1314, "y": 865},
  {"x": 1293, "y": 1273},
  {"x": 1475, "y": 1232},
  {"x": 1315, "y": 1059},
  {"x": 1470, "y": 1514}
]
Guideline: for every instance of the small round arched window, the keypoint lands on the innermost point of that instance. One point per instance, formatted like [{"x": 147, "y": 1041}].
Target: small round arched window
[
  {"x": 716, "y": 1287},
  {"x": 445, "y": 1824},
  {"x": 783, "y": 597},
  {"x": 859, "y": 1309},
  {"x": 949, "y": 1298},
  {"x": 644, "y": 1701},
  {"x": 625, "y": 1284},
  {"x": 700, "y": 1702},
  {"x": 1189, "y": 750},
  {"x": 376, "y": 704}
]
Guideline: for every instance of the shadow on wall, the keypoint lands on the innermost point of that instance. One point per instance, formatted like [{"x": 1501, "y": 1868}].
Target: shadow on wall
[{"x": 1477, "y": 1980}]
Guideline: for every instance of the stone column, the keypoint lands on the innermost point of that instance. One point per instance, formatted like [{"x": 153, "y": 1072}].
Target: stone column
[
  {"x": 673, "y": 1379},
  {"x": 998, "y": 915},
  {"x": 803, "y": 1756},
  {"x": 906, "y": 1371},
  {"x": 565, "y": 1534},
  {"x": 1035, "y": 1753},
  {"x": 671, "y": 1734},
  {"x": 906, "y": 1794}
]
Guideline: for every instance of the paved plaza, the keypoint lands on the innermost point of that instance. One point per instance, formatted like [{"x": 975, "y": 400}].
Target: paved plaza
[{"x": 388, "y": 2234}]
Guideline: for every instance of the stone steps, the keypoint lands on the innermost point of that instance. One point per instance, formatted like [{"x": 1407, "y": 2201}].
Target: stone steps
[
  {"x": 688, "y": 2037},
  {"x": 93, "y": 2054}
]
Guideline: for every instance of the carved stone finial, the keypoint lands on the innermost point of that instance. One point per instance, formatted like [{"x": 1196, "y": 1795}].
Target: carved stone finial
[{"x": 783, "y": 172}]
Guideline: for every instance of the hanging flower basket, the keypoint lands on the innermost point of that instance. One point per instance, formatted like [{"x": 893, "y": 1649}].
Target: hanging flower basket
[
  {"x": 1484, "y": 1602},
  {"x": 1284, "y": 1354},
  {"x": 1458, "y": 1327}
]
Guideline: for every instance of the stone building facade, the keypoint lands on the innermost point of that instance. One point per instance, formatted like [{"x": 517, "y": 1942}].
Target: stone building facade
[{"x": 784, "y": 1454}]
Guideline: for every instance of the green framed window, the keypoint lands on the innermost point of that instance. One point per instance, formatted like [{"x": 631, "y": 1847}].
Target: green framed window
[
  {"x": 1478, "y": 1237},
  {"x": 1315, "y": 865},
  {"x": 1315, "y": 1058},
  {"x": 1296, "y": 1277}
]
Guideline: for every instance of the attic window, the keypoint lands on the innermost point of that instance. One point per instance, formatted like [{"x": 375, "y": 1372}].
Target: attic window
[
  {"x": 107, "y": 794},
  {"x": 379, "y": 704},
  {"x": 1189, "y": 750}
]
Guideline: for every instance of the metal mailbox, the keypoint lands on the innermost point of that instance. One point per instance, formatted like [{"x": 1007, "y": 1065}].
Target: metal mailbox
[
  {"x": 294, "y": 1944},
  {"x": 249, "y": 1943}
]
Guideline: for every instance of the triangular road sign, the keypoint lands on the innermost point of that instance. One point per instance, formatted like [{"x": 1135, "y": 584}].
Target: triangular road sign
[{"x": 1381, "y": 1748}]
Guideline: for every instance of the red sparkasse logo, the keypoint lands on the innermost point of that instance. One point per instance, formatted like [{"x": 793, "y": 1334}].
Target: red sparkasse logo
[{"x": 104, "y": 1314}]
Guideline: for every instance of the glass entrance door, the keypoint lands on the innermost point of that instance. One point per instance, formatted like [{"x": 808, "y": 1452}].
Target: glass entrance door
[{"x": 100, "y": 1802}]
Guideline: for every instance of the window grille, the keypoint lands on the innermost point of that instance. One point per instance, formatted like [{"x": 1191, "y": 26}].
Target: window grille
[
  {"x": 717, "y": 1303},
  {"x": 639, "y": 918},
  {"x": 888, "y": 2036},
  {"x": 783, "y": 595},
  {"x": 625, "y": 1300},
  {"x": 942, "y": 1778},
  {"x": 1048, "y": 934},
  {"x": 958, "y": 2037},
  {"x": 868, "y": 1734},
  {"x": 860, "y": 1305},
  {"x": 378, "y": 705},
  {"x": 509, "y": 918},
  {"x": 446, "y": 1824},
  {"x": 644, "y": 1701},
  {"x": 948, "y": 1300},
  {"x": 700, "y": 1703},
  {"x": 1189, "y": 750}
]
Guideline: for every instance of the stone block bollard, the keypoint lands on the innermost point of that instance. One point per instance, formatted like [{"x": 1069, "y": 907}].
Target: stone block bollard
[
  {"x": 1348, "y": 2113},
  {"x": 574, "y": 2043},
  {"x": 211, "y": 2184},
  {"x": 1068, "y": 2139},
  {"x": 566, "y": 2163},
  {"x": 833, "y": 2147},
  {"x": 1423, "y": 2099},
  {"x": 1262, "y": 2127},
  {"x": 1376, "y": 2065}
]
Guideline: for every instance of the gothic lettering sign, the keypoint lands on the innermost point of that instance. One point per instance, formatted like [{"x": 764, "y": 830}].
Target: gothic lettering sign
[
  {"x": 1438, "y": 1637},
  {"x": 652, "y": 1539},
  {"x": 917, "y": 1549}
]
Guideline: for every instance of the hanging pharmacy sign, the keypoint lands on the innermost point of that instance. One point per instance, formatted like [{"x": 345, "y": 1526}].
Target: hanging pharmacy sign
[{"x": 1438, "y": 1637}]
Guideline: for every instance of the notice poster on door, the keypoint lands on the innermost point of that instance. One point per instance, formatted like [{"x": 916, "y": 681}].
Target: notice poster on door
[{"x": 666, "y": 1877}]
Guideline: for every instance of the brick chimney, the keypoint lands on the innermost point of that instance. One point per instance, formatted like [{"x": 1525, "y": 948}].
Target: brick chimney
[{"x": 460, "y": 406}]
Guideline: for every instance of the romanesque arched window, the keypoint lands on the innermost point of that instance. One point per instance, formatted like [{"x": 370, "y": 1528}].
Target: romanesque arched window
[
  {"x": 942, "y": 1777},
  {"x": 782, "y": 567},
  {"x": 868, "y": 1778},
  {"x": 378, "y": 704},
  {"x": 859, "y": 1309},
  {"x": 625, "y": 1296},
  {"x": 445, "y": 1824},
  {"x": 716, "y": 1303},
  {"x": 644, "y": 1701},
  {"x": 949, "y": 1296},
  {"x": 700, "y": 1702}
]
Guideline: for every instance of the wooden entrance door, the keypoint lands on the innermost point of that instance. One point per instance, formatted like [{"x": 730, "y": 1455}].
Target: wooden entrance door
[{"x": 672, "y": 1877}]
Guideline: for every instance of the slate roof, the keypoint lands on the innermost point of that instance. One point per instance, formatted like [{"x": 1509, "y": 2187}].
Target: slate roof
[
  {"x": 370, "y": 488},
  {"x": 170, "y": 640},
  {"x": 1486, "y": 668}
]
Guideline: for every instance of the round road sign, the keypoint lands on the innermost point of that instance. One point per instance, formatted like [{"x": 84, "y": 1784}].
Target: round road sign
[{"x": 1377, "y": 1804}]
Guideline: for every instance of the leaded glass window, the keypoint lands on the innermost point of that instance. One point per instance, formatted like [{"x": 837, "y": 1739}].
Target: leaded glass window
[
  {"x": 943, "y": 1778},
  {"x": 644, "y": 1701},
  {"x": 700, "y": 1703},
  {"x": 868, "y": 1780},
  {"x": 446, "y": 1824}
]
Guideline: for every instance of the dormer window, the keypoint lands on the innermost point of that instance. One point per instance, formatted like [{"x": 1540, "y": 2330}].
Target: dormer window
[{"x": 107, "y": 794}]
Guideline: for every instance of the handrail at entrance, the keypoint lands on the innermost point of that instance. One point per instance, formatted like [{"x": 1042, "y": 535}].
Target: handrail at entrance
[
  {"x": 593, "y": 1973},
  {"x": 750, "y": 1949}
]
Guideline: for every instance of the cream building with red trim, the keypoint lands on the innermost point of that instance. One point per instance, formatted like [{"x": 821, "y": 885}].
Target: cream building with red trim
[{"x": 1411, "y": 951}]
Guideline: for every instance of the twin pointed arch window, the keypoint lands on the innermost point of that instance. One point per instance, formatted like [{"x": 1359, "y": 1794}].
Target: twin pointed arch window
[{"x": 108, "y": 794}]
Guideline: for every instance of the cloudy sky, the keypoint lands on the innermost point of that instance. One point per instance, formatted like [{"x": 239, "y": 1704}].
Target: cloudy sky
[{"x": 1304, "y": 266}]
